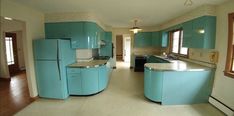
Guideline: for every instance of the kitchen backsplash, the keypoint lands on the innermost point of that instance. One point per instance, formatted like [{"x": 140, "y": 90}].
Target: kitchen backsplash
[
  {"x": 86, "y": 54},
  {"x": 204, "y": 55}
]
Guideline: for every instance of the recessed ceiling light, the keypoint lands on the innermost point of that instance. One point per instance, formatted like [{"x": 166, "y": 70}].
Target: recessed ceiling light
[{"x": 8, "y": 18}]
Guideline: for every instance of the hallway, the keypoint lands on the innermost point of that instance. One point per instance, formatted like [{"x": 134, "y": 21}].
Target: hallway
[
  {"x": 123, "y": 97},
  {"x": 14, "y": 95}
]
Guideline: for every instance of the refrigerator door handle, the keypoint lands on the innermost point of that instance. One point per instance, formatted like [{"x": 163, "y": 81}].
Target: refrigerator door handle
[{"x": 58, "y": 60}]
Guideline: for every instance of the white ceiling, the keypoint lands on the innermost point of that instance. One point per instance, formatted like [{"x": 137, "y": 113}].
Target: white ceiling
[{"x": 120, "y": 13}]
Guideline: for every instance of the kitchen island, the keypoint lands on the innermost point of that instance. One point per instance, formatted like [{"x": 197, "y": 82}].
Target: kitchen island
[
  {"x": 177, "y": 82},
  {"x": 88, "y": 78}
]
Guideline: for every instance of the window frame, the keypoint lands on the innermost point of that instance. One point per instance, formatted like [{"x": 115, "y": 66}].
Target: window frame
[
  {"x": 180, "y": 42},
  {"x": 230, "y": 49}
]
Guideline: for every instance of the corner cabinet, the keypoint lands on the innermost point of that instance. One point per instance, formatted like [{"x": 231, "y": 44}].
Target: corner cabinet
[
  {"x": 200, "y": 32},
  {"x": 83, "y": 35}
]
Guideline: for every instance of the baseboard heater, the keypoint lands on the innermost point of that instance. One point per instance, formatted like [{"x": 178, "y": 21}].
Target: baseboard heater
[{"x": 221, "y": 106}]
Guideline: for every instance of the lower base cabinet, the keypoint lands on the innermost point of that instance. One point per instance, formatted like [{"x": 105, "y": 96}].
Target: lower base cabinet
[
  {"x": 87, "y": 81},
  {"x": 178, "y": 87}
]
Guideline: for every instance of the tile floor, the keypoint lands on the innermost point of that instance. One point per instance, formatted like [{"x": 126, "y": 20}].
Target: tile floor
[{"x": 123, "y": 97}]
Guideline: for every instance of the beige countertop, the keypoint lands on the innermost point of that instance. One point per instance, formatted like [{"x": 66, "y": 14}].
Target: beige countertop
[
  {"x": 176, "y": 65},
  {"x": 89, "y": 64}
]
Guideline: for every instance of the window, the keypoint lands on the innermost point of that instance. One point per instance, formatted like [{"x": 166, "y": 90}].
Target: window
[
  {"x": 9, "y": 50},
  {"x": 229, "y": 69},
  {"x": 177, "y": 42}
]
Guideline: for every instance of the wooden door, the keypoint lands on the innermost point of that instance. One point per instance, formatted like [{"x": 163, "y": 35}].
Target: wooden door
[{"x": 11, "y": 53}]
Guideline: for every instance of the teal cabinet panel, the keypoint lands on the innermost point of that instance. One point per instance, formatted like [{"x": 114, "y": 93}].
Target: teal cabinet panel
[
  {"x": 178, "y": 87},
  {"x": 89, "y": 80},
  {"x": 143, "y": 39},
  {"x": 156, "y": 86},
  {"x": 108, "y": 37},
  {"x": 103, "y": 77},
  {"x": 74, "y": 83},
  {"x": 73, "y": 70},
  {"x": 147, "y": 83},
  {"x": 164, "y": 39},
  {"x": 187, "y": 87},
  {"x": 187, "y": 34},
  {"x": 91, "y": 34},
  {"x": 78, "y": 39},
  {"x": 83, "y": 35},
  {"x": 57, "y": 30},
  {"x": 200, "y": 32},
  {"x": 153, "y": 82},
  {"x": 156, "y": 39}
]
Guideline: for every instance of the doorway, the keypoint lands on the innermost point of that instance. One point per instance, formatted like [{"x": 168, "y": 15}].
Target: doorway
[
  {"x": 127, "y": 48},
  {"x": 11, "y": 53},
  {"x": 119, "y": 47},
  {"x": 14, "y": 92}
]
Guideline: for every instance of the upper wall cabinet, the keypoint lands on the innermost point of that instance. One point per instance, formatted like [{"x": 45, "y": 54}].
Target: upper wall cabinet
[
  {"x": 83, "y": 35},
  {"x": 151, "y": 39},
  {"x": 200, "y": 32},
  {"x": 142, "y": 39}
]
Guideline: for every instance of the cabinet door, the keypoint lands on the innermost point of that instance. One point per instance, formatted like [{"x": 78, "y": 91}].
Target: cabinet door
[
  {"x": 198, "y": 33},
  {"x": 187, "y": 33},
  {"x": 91, "y": 34},
  {"x": 108, "y": 37},
  {"x": 103, "y": 77},
  {"x": 147, "y": 83},
  {"x": 74, "y": 83},
  {"x": 89, "y": 80},
  {"x": 57, "y": 30},
  {"x": 143, "y": 39},
  {"x": 156, "y": 85},
  {"x": 164, "y": 39},
  {"x": 156, "y": 39},
  {"x": 77, "y": 35}
]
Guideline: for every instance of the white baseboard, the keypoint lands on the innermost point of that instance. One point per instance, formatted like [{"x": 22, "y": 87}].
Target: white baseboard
[{"x": 221, "y": 106}]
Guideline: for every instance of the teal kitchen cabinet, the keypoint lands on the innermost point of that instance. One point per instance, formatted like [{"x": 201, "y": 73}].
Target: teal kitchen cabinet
[
  {"x": 103, "y": 77},
  {"x": 143, "y": 39},
  {"x": 164, "y": 38},
  {"x": 204, "y": 31},
  {"x": 57, "y": 30},
  {"x": 89, "y": 80},
  {"x": 156, "y": 39},
  {"x": 106, "y": 50},
  {"x": 83, "y": 35},
  {"x": 178, "y": 87},
  {"x": 153, "y": 83},
  {"x": 200, "y": 32},
  {"x": 187, "y": 34}
]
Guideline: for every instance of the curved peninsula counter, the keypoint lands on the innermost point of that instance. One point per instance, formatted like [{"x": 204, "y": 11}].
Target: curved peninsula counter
[
  {"x": 87, "y": 78},
  {"x": 177, "y": 82}
]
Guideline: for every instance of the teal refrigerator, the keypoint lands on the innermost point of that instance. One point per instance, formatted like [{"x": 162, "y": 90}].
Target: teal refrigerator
[{"x": 51, "y": 57}]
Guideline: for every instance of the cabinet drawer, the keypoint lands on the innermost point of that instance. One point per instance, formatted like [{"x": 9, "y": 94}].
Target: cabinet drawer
[{"x": 73, "y": 70}]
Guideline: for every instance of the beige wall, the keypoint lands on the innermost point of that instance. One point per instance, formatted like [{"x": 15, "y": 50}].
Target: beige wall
[
  {"x": 223, "y": 86},
  {"x": 34, "y": 29}
]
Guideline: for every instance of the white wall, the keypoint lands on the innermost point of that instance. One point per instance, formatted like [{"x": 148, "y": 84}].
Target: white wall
[
  {"x": 34, "y": 29},
  {"x": 223, "y": 86}
]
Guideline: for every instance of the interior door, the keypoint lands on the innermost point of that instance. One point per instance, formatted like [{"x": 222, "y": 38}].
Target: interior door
[
  {"x": 127, "y": 46},
  {"x": 11, "y": 53}
]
